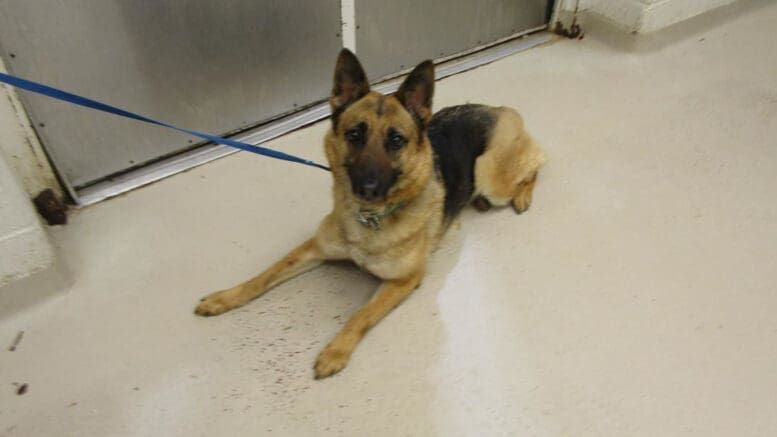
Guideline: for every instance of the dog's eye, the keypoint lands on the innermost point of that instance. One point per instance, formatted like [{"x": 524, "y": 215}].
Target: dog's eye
[
  {"x": 396, "y": 141},
  {"x": 353, "y": 135}
]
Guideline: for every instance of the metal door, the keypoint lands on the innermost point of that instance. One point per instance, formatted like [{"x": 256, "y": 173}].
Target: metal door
[
  {"x": 207, "y": 65},
  {"x": 394, "y": 35}
]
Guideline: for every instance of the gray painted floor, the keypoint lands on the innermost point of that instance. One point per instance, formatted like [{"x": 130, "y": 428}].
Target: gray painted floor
[{"x": 637, "y": 296}]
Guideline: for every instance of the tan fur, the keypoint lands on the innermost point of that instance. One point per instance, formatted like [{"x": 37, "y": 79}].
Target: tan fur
[
  {"x": 505, "y": 172},
  {"x": 397, "y": 252}
]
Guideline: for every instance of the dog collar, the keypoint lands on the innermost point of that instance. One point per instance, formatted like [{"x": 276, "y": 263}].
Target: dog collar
[{"x": 372, "y": 218}]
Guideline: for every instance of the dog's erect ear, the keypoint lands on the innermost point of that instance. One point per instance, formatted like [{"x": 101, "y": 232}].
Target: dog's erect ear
[
  {"x": 350, "y": 83},
  {"x": 417, "y": 90}
]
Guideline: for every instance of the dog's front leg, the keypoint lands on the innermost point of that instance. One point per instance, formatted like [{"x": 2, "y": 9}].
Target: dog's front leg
[
  {"x": 299, "y": 260},
  {"x": 391, "y": 293}
]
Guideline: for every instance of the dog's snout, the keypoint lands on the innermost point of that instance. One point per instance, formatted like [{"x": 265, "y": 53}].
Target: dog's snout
[{"x": 370, "y": 184}]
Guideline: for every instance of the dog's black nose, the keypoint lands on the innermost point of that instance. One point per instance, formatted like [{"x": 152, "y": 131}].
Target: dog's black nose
[{"x": 369, "y": 188}]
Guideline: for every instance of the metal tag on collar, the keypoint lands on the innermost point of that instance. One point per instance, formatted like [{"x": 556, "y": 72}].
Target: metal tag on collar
[{"x": 368, "y": 219}]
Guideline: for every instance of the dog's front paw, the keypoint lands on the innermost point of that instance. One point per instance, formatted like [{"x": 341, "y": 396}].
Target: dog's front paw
[
  {"x": 215, "y": 304},
  {"x": 330, "y": 361}
]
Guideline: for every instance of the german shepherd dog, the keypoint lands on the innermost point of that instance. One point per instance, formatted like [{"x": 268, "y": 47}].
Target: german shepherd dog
[{"x": 401, "y": 176}]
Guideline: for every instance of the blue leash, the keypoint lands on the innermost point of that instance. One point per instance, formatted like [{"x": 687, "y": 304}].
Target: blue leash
[{"x": 65, "y": 96}]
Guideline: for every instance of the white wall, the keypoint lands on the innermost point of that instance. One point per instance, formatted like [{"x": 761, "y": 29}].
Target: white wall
[
  {"x": 24, "y": 246},
  {"x": 662, "y": 13},
  {"x": 25, "y": 250},
  {"x": 644, "y": 16}
]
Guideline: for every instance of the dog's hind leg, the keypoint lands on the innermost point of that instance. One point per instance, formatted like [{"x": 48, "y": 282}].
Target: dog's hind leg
[
  {"x": 334, "y": 357},
  {"x": 303, "y": 258},
  {"x": 507, "y": 171}
]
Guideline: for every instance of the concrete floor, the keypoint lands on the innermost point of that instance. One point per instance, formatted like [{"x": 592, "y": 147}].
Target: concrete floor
[{"x": 637, "y": 297}]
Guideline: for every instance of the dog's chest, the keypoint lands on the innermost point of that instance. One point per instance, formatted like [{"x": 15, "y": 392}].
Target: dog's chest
[
  {"x": 378, "y": 265},
  {"x": 387, "y": 266},
  {"x": 383, "y": 253}
]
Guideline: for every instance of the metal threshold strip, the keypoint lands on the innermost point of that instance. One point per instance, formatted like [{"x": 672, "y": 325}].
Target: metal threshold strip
[{"x": 167, "y": 167}]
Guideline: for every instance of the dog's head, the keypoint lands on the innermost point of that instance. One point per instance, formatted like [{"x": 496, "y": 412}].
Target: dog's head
[{"x": 377, "y": 143}]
